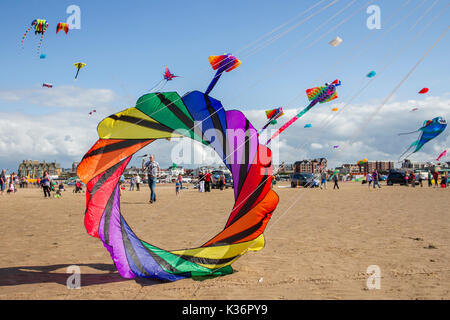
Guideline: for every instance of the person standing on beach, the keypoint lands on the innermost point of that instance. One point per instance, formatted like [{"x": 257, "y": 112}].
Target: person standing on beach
[
  {"x": 46, "y": 183},
  {"x": 412, "y": 179},
  {"x": 369, "y": 179},
  {"x": 420, "y": 180},
  {"x": 323, "y": 179},
  {"x": 406, "y": 178},
  {"x": 132, "y": 183},
  {"x": 335, "y": 179},
  {"x": 138, "y": 181},
  {"x": 208, "y": 181},
  {"x": 201, "y": 182},
  {"x": 153, "y": 173},
  {"x": 436, "y": 178},
  {"x": 430, "y": 178},
  {"x": 2, "y": 182},
  {"x": 180, "y": 180},
  {"x": 376, "y": 179},
  {"x": 222, "y": 181},
  {"x": 444, "y": 179}
]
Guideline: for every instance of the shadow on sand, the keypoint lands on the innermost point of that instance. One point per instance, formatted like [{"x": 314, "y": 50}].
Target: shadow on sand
[{"x": 13, "y": 276}]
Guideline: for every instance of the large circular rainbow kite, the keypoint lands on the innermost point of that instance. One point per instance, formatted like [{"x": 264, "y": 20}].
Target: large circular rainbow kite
[{"x": 167, "y": 115}]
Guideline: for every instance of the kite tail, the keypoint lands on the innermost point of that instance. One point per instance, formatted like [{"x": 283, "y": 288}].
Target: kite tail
[
  {"x": 78, "y": 70},
  {"x": 215, "y": 79},
  {"x": 287, "y": 124},
  {"x": 40, "y": 43},
  {"x": 25, "y": 34},
  {"x": 412, "y": 145},
  {"x": 402, "y": 134}
]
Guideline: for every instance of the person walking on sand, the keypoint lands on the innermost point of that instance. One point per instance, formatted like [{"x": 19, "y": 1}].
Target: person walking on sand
[
  {"x": 46, "y": 183},
  {"x": 153, "y": 173},
  {"x": 406, "y": 178},
  {"x": 2, "y": 181},
  {"x": 376, "y": 179},
  {"x": 420, "y": 180},
  {"x": 430, "y": 178},
  {"x": 335, "y": 179},
  {"x": 323, "y": 179},
  {"x": 180, "y": 180}
]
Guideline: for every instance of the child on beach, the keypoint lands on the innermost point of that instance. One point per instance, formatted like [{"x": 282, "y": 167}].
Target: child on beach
[{"x": 177, "y": 187}]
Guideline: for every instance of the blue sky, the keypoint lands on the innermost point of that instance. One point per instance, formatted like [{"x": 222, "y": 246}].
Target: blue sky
[{"x": 126, "y": 45}]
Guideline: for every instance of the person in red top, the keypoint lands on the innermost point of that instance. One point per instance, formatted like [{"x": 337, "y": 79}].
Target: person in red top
[
  {"x": 436, "y": 178},
  {"x": 208, "y": 181}
]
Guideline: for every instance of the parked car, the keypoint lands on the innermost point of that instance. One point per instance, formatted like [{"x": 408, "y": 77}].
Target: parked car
[
  {"x": 215, "y": 182},
  {"x": 396, "y": 177},
  {"x": 303, "y": 180}
]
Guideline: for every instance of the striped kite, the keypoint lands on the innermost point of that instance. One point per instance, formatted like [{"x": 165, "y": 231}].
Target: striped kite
[
  {"x": 62, "y": 26},
  {"x": 40, "y": 26},
  {"x": 168, "y": 115}
]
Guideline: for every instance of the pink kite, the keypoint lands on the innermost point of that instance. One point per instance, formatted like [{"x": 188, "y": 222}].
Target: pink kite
[{"x": 443, "y": 154}]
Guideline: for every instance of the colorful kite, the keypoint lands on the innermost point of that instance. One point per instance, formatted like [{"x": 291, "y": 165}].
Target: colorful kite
[
  {"x": 48, "y": 85},
  {"x": 424, "y": 90},
  {"x": 42, "y": 56},
  {"x": 443, "y": 154},
  {"x": 40, "y": 26},
  {"x": 223, "y": 63},
  {"x": 79, "y": 66},
  {"x": 165, "y": 115},
  {"x": 371, "y": 74},
  {"x": 308, "y": 125},
  {"x": 315, "y": 95},
  {"x": 62, "y": 26},
  {"x": 430, "y": 130},
  {"x": 272, "y": 116},
  {"x": 335, "y": 42},
  {"x": 334, "y": 109},
  {"x": 167, "y": 76},
  {"x": 335, "y": 147}
]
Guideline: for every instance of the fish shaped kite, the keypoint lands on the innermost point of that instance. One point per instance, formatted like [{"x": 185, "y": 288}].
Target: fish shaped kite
[
  {"x": 316, "y": 95},
  {"x": 443, "y": 154},
  {"x": 272, "y": 116},
  {"x": 62, "y": 26},
  {"x": 222, "y": 63},
  {"x": 79, "y": 65},
  {"x": 40, "y": 26},
  {"x": 430, "y": 130}
]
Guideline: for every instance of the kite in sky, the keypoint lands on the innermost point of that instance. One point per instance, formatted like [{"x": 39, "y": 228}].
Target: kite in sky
[
  {"x": 40, "y": 26},
  {"x": 223, "y": 63},
  {"x": 335, "y": 42},
  {"x": 371, "y": 74},
  {"x": 62, "y": 26},
  {"x": 90, "y": 113},
  {"x": 430, "y": 130},
  {"x": 443, "y": 154},
  {"x": 167, "y": 76},
  {"x": 424, "y": 90},
  {"x": 48, "y": 85},
  {"x": 79, "y": 65},
  {"x": 308, "y": 125},
  {"x": 414, "y": 109},
  {"x": 42, "y": 56},
  {"x": 334, "y": 109},
  {"x": 335, "y": 147},
  {"x": 162, "y": 115},
  {"x": 315, "y": 95},
  {"x": 272, "y": 116}
]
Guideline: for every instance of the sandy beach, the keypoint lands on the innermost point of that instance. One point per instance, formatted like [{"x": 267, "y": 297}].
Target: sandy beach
[{"x": 319, "y": 244}]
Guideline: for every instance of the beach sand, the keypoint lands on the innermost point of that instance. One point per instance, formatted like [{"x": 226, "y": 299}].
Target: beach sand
[{"x": 319, "y": 244}]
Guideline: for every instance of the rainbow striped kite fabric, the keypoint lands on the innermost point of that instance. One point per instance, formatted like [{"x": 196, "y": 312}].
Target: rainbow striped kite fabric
[{"x": 167, "y": 115}]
